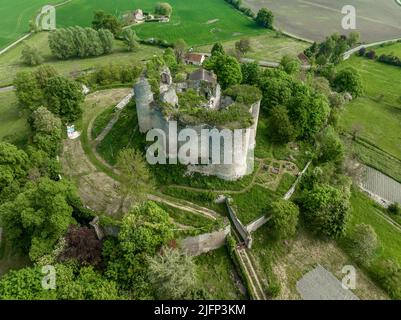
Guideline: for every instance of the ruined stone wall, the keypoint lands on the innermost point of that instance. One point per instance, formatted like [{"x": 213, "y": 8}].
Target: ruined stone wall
[
  {"x": 149, "y": 118},
  {"x": 205, "y": 242}
]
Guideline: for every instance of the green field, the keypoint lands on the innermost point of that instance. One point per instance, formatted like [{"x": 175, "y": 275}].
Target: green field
[
  {"x": 366, "y": 211},
  {"x": 269, "y": 46},
  {"x": 197, "y": 22},
  {"x": 10, "y": 62},
  {"x": 15, "y": 17},
  {"x": 376, "y": 115}
]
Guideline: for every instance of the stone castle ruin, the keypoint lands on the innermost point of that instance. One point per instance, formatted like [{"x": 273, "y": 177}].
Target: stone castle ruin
[{"x": 197, "y": 101}]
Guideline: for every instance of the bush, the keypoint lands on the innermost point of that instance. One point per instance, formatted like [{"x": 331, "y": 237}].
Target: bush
[
  {"x": 31, "y": 56},
  {"x": 284, "y": 219},
  {"x": 326, "y": 210},
  {"x": 394, "y": 208},
  {"x": 362, "y": 243},
  {"x": 265, "y": 18},
  {"x": 389, "y": 276},
  {"x": 349, "y": 80},
  {"x": 163, "y": 9}
]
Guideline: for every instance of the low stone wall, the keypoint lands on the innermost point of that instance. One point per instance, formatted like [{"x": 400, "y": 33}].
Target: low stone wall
[
  {"x": 258, "y": 223},
  {"x": 205, "y": 242},
  {"x": 243, "y": 232}
]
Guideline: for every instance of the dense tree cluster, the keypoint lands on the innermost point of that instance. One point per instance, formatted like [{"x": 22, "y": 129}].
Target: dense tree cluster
[
  {"x": 349, "y": 80},
  {"x": 307, "y": 109},
  {"x": 144, "y": 230},
  {"x": 265, "y": 18},
  {"x": 326, "y": 210},
  {"x": 163, "y": 9},
  {"x": 78, "y": 42},
  {"x": 332, "y": 49},
  {"x": 72, "y": 283},
  {"x": 227, "y": 69},
  {"x": 44, "y": 87},
  {"x": 102, "y": 20}
]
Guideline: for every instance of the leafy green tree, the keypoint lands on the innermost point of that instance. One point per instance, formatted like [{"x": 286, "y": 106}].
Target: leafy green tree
[
  {"x": 349, "y": 80},
  {"x": 107, "y": 40},
  {"x": 170, "y": 60},
  {"x": 103, "y": 20},
  {"x": 43, "y": 74},
  {"x": 72, "y": 283},
  {"x": 227, "y": 69},
  {"x": 290, "y": 64},
  {"x": 265, "y": 18},
  {"x": 276, "y": 86},
  {"x": 61, "y": 43},
  {"x": 28, "y": 93},
  {"x": 47, "y": 131},
  {"x": 180, "y": 48},
  {"x": 284, "y": 221},
  {"x": 130, "y": 39},
  {"x": 243, "y": 46},
  {"x": 14, "y": 165},
  {"x": 362, "y": 243},
  {"x": 326, "y": 210},
  {"x": 137, "y": 181},
  {"x": 217, "y": 49},
  {"x": 38, "y": 216},
  {"x": 280, "y": 126},
  {"x": 250, "y": 73},
  {"x": 353, "y": 38},
  {"x": 63, "y": 98},
  {"x": 173, "y": 275},
  {"x": 163, "y": 9},
  {"x": 331, "y": 146},
  {"x": 31, "y": 56},
  {"x": 95, "y": 47},
  {"x": 337, "y": 100},
  {"x": 144, "y": 230}
]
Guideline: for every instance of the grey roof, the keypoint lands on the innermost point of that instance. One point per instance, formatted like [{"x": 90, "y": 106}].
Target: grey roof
[
  {"x": 320, "y": 284},
  {"x": 203, "y": 75}
]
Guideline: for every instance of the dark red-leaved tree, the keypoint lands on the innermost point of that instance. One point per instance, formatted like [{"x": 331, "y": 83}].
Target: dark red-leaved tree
[{"x": 83, "y": 246}]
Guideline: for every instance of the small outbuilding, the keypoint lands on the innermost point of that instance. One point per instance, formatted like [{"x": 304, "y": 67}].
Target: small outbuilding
[{"x": 195, "y": 59}]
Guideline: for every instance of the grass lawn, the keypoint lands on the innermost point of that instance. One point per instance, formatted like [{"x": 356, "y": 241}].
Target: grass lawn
[
  {"x": 10, "y": 62},
  {"x": 191, "y": 224},
  {"x": 377, "y": 114},
  {"x": 366, "y": 211},
  {"x": 285, "y": 263},
  {"x": 217, "y": 275},
  {"x": 15, "y": 17},
  {"x": 253, "y": 204},
  {"x": 268, "y": 47},
  {"x": 13, "y": 124},
  {"x": 197, "y": 22},
  {"x": 101, "y": 121},
  {"x": 394, "y": 49}
]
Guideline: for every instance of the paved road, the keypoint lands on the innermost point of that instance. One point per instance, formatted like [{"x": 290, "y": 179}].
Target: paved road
[{"x": 7, "y": 89}]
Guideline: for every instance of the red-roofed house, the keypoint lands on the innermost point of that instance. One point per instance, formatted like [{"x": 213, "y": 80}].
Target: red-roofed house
[{"x": 195, "y": 58}]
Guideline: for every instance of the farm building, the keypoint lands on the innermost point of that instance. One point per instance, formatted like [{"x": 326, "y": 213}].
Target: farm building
[{"x": 195, "y": 59}]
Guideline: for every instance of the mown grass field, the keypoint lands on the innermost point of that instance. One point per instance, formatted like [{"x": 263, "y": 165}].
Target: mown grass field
[
  {"x": 197, "y": 22},
  {"x": 366, "y": 211},
  {"x": 315, "y": 19},
  {"x": 376, "y": 115}
]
